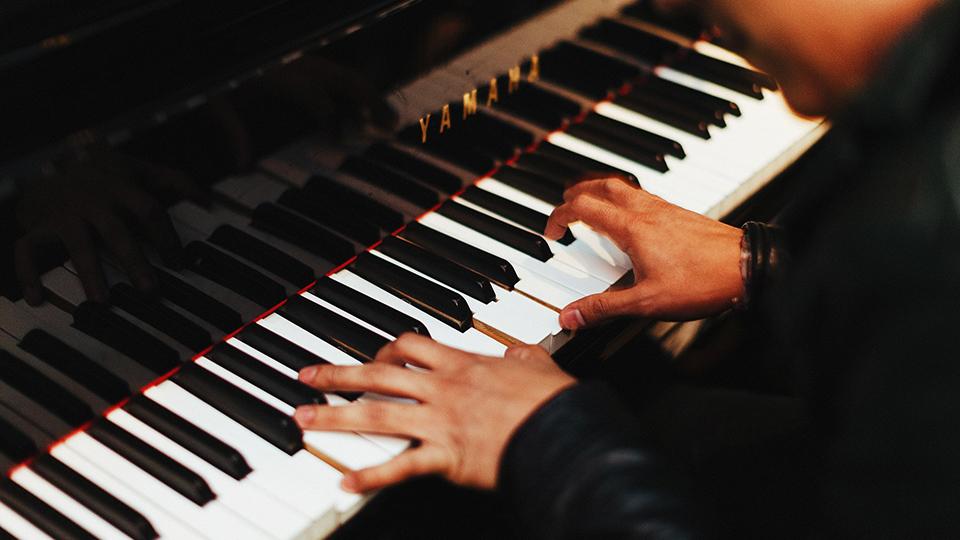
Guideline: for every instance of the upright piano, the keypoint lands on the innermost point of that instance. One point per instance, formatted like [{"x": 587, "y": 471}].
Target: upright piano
[{"x": 338, "y": 173}]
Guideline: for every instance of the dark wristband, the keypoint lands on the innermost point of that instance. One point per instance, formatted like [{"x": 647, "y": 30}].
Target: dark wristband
[{"x": 763, "y": 260}]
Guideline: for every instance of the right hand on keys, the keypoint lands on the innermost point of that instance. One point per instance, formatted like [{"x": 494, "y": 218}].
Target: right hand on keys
[
  {"x": 100, "y": 201},
  {"x": 687, "y": 266}
]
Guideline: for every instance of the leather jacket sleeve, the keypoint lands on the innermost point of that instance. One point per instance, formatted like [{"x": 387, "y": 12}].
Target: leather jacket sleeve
[{"x": 578, "y": 469}]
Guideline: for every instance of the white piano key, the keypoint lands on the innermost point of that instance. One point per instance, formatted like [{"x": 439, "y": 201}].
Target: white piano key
[
  {"x": 295, "y": 334},
  {"x": 18, "y": 526},
  {"x": 471, "y": 340},
  {"x": 511, "y": 313},
  {"x": 574, "y": 255},
  {"x": 599, "y": 244},
  {"x": 313, "y": 491},
  {"x": 393, "y": 445},
  {"x": 350, "y": 449},
  {"x": 161, "y": 518},
  {"x": 346, "y": 314},
  {"x": 264, "y": 514},
  {"x": 735, "y": 165},
  {"x": 66, "y": 505},
  {"x": 684, "y": 194},
  {"x": 266, "y": 360},
  {"x": 543, "y": 274},
  {"x": 214, "y": 519}
]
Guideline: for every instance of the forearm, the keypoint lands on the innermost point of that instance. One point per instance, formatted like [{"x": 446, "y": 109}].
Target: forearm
[{"x": 578, "y": 469}]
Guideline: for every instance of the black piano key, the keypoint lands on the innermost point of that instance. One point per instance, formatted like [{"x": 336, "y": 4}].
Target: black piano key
[
  {"x": 268, "y": 423},
  {"x": 155, "y": 463},
  {"x": 390, "y": 180},
  {"x": 95, "y": 498},
  {"x": 232, "y": 274},
  {"x": 515, "y": 212},
  {"x": 552, "y": 170},
  {"x": 536, "y": 105},
  {"x": 465, "y": 156},
  {"x": 160, "y": 317},
  {"x": 636, "y": 136},
  {"x": 300, "y": 231},
  {"x": 474, "y": 134},
  {"x": 491, "y": 126},
  {"x": 680, "y": 107},
  {"x": 97, "y": 321},
  {"x": 324, "y": 189},
  {"x": 286, "y": 352},
  {"x": 526, "y": 242},
  {"x": 75, "y": 365},
  {"x": 676, "y": 108},
  {"x": 611, "y": 143},
  {"x": 40, "y": 514},
  {"x": 695, "y": 98},
  {"x": 642, "y": 45},
  {"x": 344, "y": 334},
  {"x": 290, "y": 391},
  {"x": 263, "y": 254},
  {"x": 369, "y": 310},
  {"x": 736, "y": 78},
  {"x": 531, "y": 183},
  {"x": 15, "y": 445},
  {"x": 55, "y": 398},
  {"x": 344, "y": 221},
  {"x": 198, "y": 302},
  {"x": 494, "y": 268},
  {"x": 390, "y": 156},
  {"x": 643, "y": 105},
  {"x": 588, "y": 167},
  {"x": 466, "y": 281},
  {"x": 443, "y": 304},
  {"x": 282, "y": 350},
  {"x": 212, "y": 450},
  {"x": 584, "y": 70}
]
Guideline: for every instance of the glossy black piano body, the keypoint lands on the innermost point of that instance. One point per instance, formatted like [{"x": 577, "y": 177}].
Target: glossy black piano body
[{"x": 336, "y": 145}]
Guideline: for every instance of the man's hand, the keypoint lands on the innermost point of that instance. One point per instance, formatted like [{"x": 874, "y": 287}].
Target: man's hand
[
  {"x": 468, "y": 407},
  {"x": 102, "y": 201},
  {"x": 687, "y": 266}
]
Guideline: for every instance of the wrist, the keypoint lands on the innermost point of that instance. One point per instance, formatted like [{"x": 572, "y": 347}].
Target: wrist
[{"x": 762, "y": 260}]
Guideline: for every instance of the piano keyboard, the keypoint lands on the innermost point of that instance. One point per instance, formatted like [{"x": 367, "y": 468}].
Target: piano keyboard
[{"x": 167, "y": 417}]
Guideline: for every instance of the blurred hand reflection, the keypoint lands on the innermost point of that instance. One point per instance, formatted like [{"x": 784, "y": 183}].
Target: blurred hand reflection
[{"x": 109, "y": 201}]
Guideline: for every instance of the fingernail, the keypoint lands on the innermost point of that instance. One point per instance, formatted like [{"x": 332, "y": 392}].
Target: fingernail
[
  {"x": 349, "y": 483},
  {"x": 572, "y": 319},
  {"x": 308, "y": 373},
  {"x": 304, "y": 415}
]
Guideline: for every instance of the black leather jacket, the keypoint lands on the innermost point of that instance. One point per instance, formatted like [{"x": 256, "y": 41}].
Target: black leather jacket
[{"x": 869, "y": 316}]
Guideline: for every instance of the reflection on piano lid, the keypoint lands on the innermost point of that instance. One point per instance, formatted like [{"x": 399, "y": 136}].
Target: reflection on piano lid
[{"x": 169, "y": 414}]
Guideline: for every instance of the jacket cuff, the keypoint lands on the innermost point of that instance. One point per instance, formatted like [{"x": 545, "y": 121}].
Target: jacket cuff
[{"x": 557, "y": 448}]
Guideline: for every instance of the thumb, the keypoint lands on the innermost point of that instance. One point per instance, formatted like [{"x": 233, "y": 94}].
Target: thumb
[{"x": 598, "y": 308}]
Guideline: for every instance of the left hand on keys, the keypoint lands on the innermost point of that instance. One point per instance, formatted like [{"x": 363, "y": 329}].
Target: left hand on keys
[{"x": 468, "y": 406}]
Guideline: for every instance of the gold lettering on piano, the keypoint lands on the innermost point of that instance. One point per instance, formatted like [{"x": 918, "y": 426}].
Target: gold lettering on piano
[
  {"x": 513, "y": 75},
  {"x": 492, "y": 94},
  {"x": 445, "y": 123},
  {"x": 534, "y": 73},
  {"x": 470, "y": 103},
  {"x": 424, "y": 124}
]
